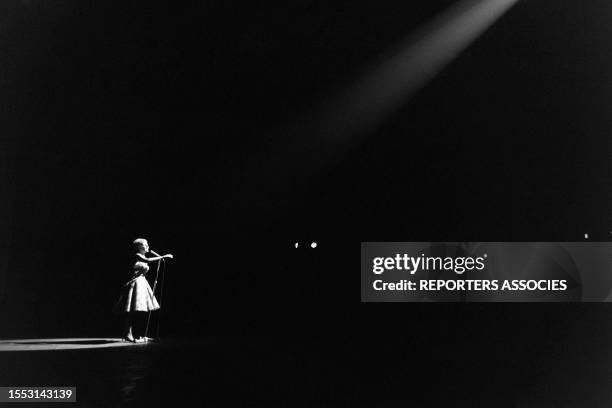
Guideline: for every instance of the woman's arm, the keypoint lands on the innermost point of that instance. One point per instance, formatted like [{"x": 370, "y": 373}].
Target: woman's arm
[{"x": 155, "y": 258}]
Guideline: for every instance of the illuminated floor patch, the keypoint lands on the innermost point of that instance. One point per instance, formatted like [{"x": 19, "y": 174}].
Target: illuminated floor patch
[{"x": 64, "y": 344}]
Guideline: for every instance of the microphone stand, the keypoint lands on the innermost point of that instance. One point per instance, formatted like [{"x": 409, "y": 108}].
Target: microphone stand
[{"x": 154, "y": 287}]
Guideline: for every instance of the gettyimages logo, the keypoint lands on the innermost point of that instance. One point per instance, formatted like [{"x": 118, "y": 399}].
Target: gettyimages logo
[
  {"x": 411, "y": 264},
  {"x": 482, "y": 271}
]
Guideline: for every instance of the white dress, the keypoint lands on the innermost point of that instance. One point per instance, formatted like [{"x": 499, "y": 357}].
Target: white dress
[{"x": 136, "y": 294}]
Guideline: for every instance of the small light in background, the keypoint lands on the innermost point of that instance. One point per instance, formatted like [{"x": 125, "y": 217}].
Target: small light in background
[
  {"x": 313, "y": 244},
  {"x": 297, "y": 245},
  {"x": 586, "y": 236}
]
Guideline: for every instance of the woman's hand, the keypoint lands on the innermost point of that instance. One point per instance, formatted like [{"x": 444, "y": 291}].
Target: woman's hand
[{"x": 169, "y": 256}]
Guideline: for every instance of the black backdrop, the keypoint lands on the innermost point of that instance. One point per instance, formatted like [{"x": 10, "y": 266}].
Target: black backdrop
[{"x": 125, "y": 120}]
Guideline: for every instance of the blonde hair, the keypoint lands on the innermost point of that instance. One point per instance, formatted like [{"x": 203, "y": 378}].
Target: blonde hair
[{"x": 139, "y": 243}]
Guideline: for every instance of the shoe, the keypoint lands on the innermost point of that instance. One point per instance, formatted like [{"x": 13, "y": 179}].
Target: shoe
[{"x": 128, "y": 339}]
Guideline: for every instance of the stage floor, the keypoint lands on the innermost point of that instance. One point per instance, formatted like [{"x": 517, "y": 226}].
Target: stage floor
[
  {"x": 64, "y": 344},
  {"x": 564, "y": 367}
]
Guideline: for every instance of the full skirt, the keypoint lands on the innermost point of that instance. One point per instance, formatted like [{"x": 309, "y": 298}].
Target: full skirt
[{"x": 136, "y": 296}]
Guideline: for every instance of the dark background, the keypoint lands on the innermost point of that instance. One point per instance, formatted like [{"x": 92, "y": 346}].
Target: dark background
[{"x": 127, "y": 119}]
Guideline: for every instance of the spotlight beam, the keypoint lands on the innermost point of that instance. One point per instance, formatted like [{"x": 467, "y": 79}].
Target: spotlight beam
[
  {"x": 317, "y": 140},
  {"x": 364, "y": 105}
]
